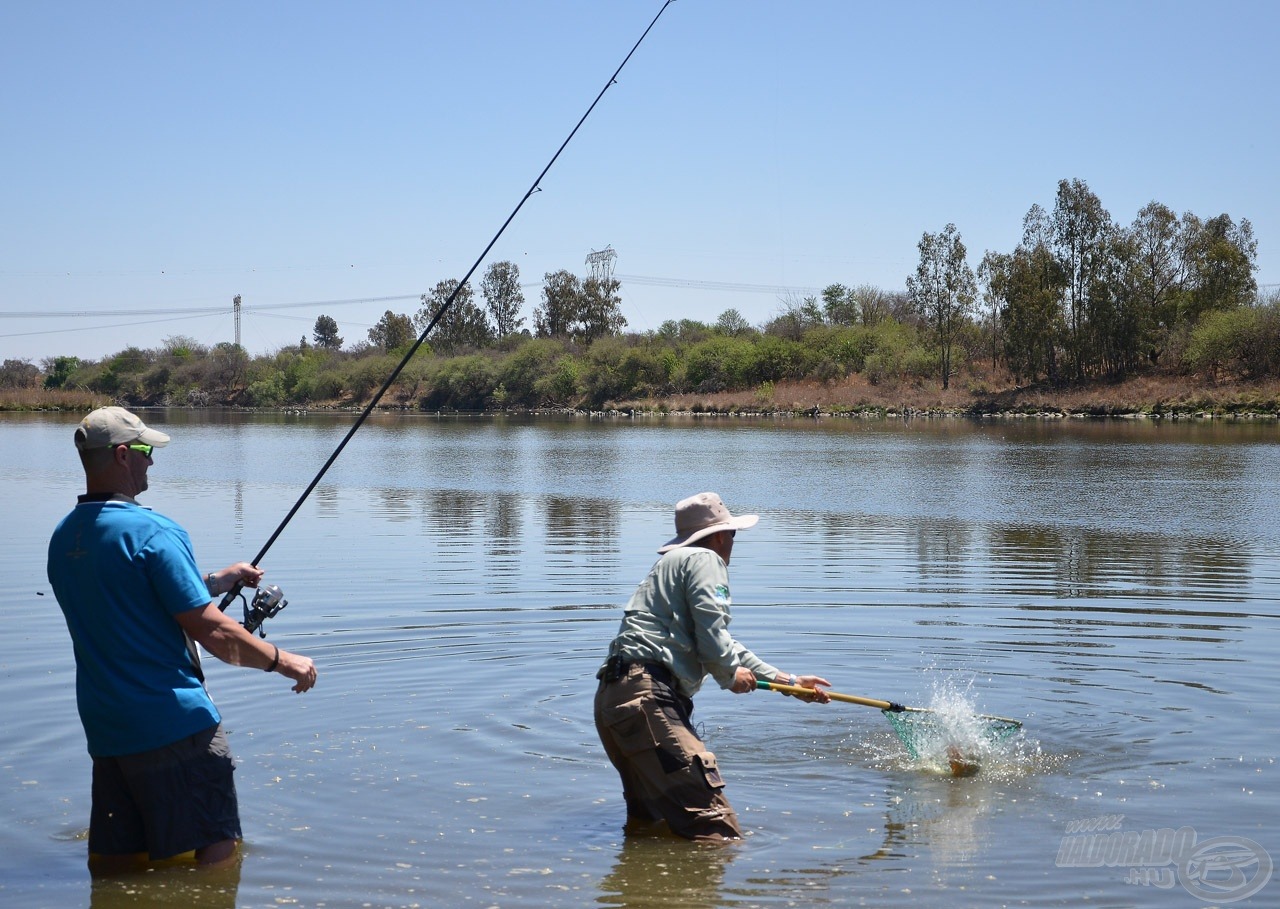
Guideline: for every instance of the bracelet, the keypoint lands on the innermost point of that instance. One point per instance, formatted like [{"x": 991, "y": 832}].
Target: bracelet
[
  {"x": 209, "y": 582},
  {"x": 275, "y": 661},
  {"x": 795, "y": 682}
]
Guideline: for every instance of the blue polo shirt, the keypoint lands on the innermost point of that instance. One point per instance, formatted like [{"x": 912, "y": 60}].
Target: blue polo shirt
[{"x": 120, "y": 573}]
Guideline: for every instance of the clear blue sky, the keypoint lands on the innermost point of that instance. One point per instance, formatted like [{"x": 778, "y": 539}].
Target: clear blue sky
[{"x": 162, "y": 157}]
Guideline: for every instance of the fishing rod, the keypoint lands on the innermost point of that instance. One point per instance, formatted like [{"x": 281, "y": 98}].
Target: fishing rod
[{"x": 269, "y": 599}]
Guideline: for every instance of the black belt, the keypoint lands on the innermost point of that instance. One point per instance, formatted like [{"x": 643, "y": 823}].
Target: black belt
[
  {"x": 615, "y": 668},
  {"x": 658, "y": 673}
]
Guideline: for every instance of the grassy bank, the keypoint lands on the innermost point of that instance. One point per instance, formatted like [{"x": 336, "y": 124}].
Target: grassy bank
[
  {"x": 1151, "y": 395},
  {"x": 39, "y": 399}
]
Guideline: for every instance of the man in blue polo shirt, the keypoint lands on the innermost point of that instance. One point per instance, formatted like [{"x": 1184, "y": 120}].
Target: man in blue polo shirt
[{"x": 127, "y": 582}]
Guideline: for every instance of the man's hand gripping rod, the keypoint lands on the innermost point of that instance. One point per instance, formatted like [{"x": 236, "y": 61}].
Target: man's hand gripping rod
[{"x": 268, "y": 601}]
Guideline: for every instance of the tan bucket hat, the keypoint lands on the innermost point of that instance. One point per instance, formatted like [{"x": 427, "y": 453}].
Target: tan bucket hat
[
  {"x": 110, "y": 426},
  {"x": 702, "y": 515}
]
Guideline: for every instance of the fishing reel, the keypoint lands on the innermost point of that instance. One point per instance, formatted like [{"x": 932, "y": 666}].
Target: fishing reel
[{"x": 267, "y": 602}]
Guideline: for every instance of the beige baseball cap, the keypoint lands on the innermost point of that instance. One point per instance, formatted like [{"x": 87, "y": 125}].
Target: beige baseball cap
[
  {"x": 110, "y": 426},
  {"x": 702, "y": 515}
]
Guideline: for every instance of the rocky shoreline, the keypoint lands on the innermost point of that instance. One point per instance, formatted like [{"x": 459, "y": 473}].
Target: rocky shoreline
[{"x": 1151, "y": 398}]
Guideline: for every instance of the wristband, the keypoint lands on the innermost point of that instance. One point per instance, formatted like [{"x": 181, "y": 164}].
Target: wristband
[{"x": 275, "y": 661}]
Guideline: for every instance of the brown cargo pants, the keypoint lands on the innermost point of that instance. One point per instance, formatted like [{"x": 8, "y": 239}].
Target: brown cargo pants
[{"x": 667, "y": 773}]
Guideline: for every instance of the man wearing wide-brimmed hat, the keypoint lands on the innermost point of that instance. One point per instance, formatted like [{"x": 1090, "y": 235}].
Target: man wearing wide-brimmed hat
[
  {"x": 674, "y": 633},
  {"x": 127, "y": 582}
]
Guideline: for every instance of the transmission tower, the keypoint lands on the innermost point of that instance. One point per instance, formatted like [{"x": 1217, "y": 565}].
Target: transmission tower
[
  {"x": 235, "y": 308},
  {"x": 601, "y": 263}
]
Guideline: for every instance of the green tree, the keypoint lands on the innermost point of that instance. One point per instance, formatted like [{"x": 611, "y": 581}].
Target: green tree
[
  {"x": 943, "y": 290},
  {"x": 392, "y": 331},
  {"x": 1117, "y": 315},
  {"x": 839, "y": 350},
  {"x": 325, "y": 333},
  {"x": 1160, "y": 272},
  {"x": 896, "y": 354},
  {"x": 1081, "y": 230},
  {"x": 520, "y": 372},
  {"x": 602, "y": 378},
  {"x": 183, "y": 347},
  {"x": 992, "y": 275},
  {"x": 772, "y": 359},
  {"x": 57, "y": 370},
  {"x": 503, "y": 297},
  {"x": 839, "y": 305},
  {"x": 561, "y": 294},
  {"x": 719, "y": 364},
  {"x": 561, "y": 385},
  {"x": 461, "y": 383},
  {"x": 685, "y": 331},
  {"x": 731, "y": 322},
  {"x": 795, "y": 316},
  {"x": 19, "y": 374},
  {"x": 462, "y": 325},
  {"x": 1220, "y": 342},
  {"x": 1025, "y": 289},
  {"x": 599, "y": 310},
  {"x": 1222, "y": 259},
  {"x": 225, "y": 369},
  {"x": 874, "y": 304}
]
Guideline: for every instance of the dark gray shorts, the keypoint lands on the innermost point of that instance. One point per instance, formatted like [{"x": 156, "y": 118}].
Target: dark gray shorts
[{"x": 167, "y": 801}]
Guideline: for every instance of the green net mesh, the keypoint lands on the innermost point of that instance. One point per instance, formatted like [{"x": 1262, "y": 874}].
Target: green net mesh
[{"x": 939, "y": 737}]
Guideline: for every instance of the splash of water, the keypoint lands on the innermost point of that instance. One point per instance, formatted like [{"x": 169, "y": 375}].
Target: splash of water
[{"x": 951, "y": 738}]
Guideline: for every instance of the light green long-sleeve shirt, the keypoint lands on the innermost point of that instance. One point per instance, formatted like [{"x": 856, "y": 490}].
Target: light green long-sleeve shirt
[{"x": 679, "y": 617}]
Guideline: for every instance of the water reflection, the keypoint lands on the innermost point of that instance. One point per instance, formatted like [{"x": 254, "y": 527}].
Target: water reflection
[
  {"x": 943, "y": 549},
  {"x": 169, "y": 884},
  {"x": 1077, "y": 563},
  {"x": 502, "y": 523},
  {"x": 661, "y": 872},
  {"x": 943, "y": 816},
  {"x": 327, "y": 500},
  {"x": 580, "y": 524},
  {"x": 237, "y": 510}
]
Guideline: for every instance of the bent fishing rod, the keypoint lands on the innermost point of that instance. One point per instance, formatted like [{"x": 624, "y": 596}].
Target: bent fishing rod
[{"x": 269, "y": 599}]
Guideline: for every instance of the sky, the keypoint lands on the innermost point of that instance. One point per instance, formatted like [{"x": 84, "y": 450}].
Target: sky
[{"x": 341, "y": 158}]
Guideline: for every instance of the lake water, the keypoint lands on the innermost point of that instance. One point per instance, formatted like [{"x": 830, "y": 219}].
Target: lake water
[{"x": 1113, "y": 585}]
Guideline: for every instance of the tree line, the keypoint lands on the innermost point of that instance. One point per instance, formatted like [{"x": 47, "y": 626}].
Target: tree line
[
  {"x": 1083, "y": 296},
  {"x": 1079, "y": 297}
]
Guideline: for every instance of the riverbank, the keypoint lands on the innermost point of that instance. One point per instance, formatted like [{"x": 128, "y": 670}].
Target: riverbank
[
  {"x": 1153, "y": 396},
  {"x": 1144, "y": 396}
]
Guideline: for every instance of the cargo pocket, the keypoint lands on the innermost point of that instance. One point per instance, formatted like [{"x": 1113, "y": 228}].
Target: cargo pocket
[
  {"x": 706, "y": 762},
  {"x": 629, "y": 726},
  {"x": 212, "y": 791}
]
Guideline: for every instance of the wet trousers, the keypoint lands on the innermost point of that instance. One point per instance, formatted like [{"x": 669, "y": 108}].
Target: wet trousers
[{"x": 667, "y": 772}]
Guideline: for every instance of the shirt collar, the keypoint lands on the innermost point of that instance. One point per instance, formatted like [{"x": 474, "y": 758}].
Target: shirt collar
[{"x": 105, "y": 497}]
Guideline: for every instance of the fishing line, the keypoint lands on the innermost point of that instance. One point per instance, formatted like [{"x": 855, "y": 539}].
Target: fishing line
[{"x": 444, "y": 307}]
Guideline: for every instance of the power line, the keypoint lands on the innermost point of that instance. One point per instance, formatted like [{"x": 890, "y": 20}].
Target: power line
[
  {"x": 192, "y": 311},
  {"x": 223, "y": 309},
  {"x": 738, "y": 287},
  {"x": 112, "y": 313},
  {"x": 60, "y": 331}
]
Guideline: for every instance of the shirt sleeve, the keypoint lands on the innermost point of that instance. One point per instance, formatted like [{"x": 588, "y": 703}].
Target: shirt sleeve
[
  {"x": 707, "y": 595},
  {"x": 755, "y": 664},
  {"x": 172, "y": 570}
]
